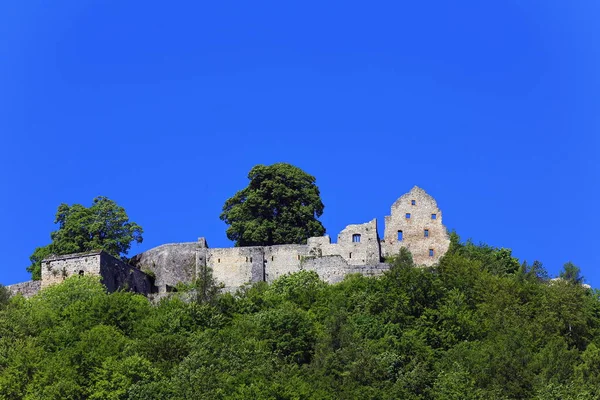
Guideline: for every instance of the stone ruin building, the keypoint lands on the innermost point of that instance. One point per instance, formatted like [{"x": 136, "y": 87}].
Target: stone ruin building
[{"x": 415, "y": 222}]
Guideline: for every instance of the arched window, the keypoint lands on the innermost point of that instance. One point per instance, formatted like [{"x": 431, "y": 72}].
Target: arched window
[{"x": 356, "y": 238}]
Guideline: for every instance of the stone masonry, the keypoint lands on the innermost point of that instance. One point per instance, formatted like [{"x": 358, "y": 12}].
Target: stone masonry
[{"x": 415, "y": 222}]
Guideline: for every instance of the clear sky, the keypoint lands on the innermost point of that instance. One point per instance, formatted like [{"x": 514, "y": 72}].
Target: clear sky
[{"x": 490, "y": 106}]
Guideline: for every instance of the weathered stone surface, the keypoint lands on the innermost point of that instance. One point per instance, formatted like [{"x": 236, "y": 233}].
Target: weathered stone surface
[
  {"x": 114, "y": 273},
  {"x": 170, "y": 263},
  {"x": 427, "y": 248},
  {"x": 358, "y": 250},
  {"x": 27, "y": 289}
]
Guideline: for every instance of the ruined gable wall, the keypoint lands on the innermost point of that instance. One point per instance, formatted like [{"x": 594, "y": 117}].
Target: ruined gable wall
[{"x": 413, "y": 228}]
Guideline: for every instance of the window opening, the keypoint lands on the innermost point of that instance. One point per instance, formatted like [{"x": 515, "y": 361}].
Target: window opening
[
  {"x": 413, "y": 202},
  {"x": 218, "y": 260},
  {"x": 81, "y": 273},
  {"x": 350, "y": 256},
  {"x": 426, "y": 233},
  {"x": 272, "y": 258},
  {"x": 400, "y": 234},
  {"x": 433, "y": 216},
  {"x": 430, "y": 252},
  {"x": 356, "y": 238},
  {"x": 407, "y": 215},
  {"x": 250, "y": 259}
]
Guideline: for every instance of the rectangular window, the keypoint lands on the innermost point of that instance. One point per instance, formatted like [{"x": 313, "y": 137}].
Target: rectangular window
[
  {"x": 426, "y": 233},
  {"x": 430, "y": 252},
  {"x": 400, "y": 236},
  {"x": 433, "y": 216},
  {"x": 350, "y": 255},
  {"x": 407, "y": 215},
  {"x": 356, "y": 238},
  {"x": 413, "y": 202}
]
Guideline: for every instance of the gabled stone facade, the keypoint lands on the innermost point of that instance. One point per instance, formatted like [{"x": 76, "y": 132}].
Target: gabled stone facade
[{"x": 415, "y": 222}]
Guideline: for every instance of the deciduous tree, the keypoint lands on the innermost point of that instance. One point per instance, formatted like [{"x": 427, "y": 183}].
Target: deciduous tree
[
  {"x": 102, "y": 226},
  {"x": 280, "y": 206}
]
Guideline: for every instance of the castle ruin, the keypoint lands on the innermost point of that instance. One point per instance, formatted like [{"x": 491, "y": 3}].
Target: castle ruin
[{"x": 415, "y": 223}]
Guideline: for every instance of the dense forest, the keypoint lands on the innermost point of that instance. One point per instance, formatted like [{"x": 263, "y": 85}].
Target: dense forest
[{"x": 480, "y": 325}]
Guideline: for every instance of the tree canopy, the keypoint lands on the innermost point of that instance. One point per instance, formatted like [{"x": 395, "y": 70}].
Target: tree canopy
[
  {"x": 471, "y": 327},
  {"x": 102, "y": 226},
  {"x": 280, "y": 205}
]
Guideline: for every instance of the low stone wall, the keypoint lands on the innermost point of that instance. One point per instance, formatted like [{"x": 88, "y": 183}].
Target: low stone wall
[
  {"x": 27, "y": 289},
  {"x": 333, "y": 269}
]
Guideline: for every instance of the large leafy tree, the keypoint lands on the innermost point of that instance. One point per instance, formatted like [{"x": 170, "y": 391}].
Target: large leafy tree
[
  {"x": 280, "y": 206},
  {"x": 102, "y": 226}
]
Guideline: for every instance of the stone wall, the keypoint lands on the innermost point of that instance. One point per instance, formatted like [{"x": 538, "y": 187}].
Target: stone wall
[
  {"x": 283, "y": 259},
  {"x": 358, "y": 250},
  {"x": 358, "y": 244},
  {"x": 114, "y": 273},
  {"x": 27, "y": 289},
  {"x": 170, "y": 263},
  {"x": 418, "y": 217},
  {"x": 58, "y": 268},
  {"x": 236, "y": 266}
]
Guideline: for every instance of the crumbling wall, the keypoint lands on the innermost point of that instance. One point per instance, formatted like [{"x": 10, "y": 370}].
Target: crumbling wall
[
  {"x": 58, "y": 268},
  {"x": 418, "y": 217},
  {"x": 358, "y": 244},
  {"x": 118, "y": 275},
  {"x": 114, "y": 273},
  {"x": 27, "y": 289}
]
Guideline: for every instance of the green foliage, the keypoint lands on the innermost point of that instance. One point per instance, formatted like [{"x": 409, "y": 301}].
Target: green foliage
[
  {"x": 102, "y": 226},
  {"x": 460, "y": 330},
  {"x": 571, "y": 273},
  {"x": 280, "y": 205},
  {"x": 4, "y": 296}
]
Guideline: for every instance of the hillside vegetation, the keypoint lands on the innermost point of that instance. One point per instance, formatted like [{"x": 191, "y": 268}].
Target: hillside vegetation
[{"x": 477, "y": 326}]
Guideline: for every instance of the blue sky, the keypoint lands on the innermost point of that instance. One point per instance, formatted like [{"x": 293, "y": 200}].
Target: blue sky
[{"x": 164, "y": 107}]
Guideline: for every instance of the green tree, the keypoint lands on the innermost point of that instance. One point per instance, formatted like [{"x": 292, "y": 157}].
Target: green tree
[
  {"x": 571, "y": 273},
  {"x": 280, "y": 206},
  {"x": 4, "y": 296},
  {"x": 102, "y": 226}
]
